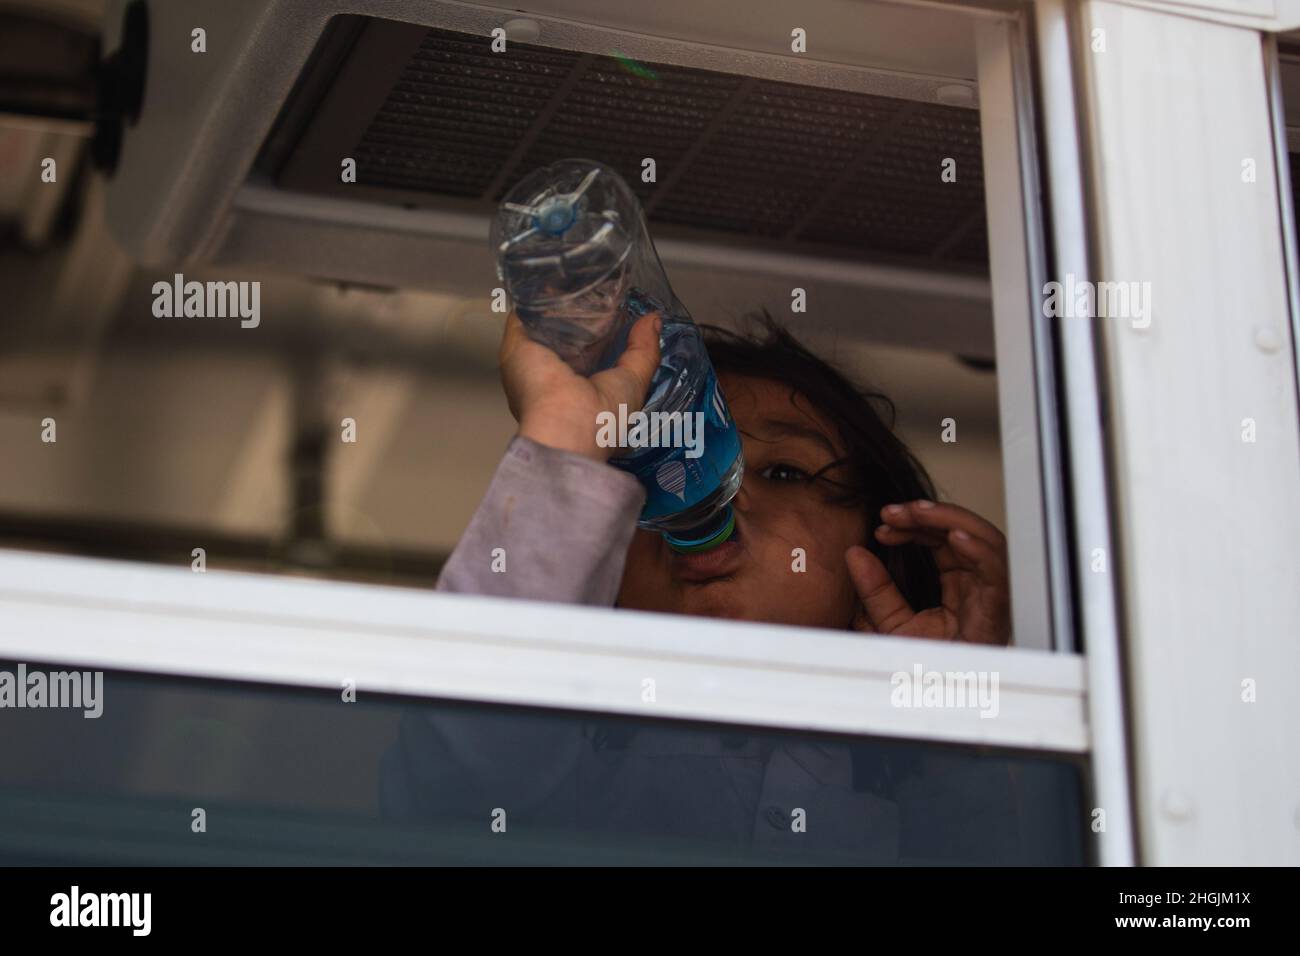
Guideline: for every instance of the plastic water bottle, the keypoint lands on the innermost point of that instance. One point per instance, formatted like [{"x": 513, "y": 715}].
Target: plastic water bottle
[{"x": 575, "y": 256}]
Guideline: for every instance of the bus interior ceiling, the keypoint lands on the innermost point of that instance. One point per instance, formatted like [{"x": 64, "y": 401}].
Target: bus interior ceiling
[{"x": 177, "y": 433}]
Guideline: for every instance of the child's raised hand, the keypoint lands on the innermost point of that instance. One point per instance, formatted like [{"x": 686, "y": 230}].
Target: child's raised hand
[
  {"x": 972, "y": 558},
  {"x": 556, "y": 406}
]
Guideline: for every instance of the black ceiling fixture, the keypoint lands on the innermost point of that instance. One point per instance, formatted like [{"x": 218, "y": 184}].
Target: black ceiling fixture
[{"x": 120, "y": 81}]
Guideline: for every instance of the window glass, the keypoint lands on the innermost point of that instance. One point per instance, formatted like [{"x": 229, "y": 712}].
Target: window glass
[
  {"x": 351, "y": 427},
  {"x": 190, "y": 771}
]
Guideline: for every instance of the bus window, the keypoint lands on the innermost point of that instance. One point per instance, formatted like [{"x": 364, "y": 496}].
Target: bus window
[{"x": 184, "y": 772}]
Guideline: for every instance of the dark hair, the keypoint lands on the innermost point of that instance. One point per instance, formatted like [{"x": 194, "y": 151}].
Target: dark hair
[
  {"x": 880, "y": 470},
  {"x": 877, "y": 469}
]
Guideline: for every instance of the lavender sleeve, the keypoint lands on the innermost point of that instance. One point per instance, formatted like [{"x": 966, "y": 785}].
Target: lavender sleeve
[{"x": 563, "y": 523}]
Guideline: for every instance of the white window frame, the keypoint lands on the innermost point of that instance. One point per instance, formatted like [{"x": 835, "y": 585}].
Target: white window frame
[
  {"x": 1215, "y": 779},
  {"x": 248, "y": 627},
  {"x": 284, "y": 631},
  {"x": 1026, "y": 403},
  {"x": 1082, "y": 414},
  {"x": 1212, "y": 781}
]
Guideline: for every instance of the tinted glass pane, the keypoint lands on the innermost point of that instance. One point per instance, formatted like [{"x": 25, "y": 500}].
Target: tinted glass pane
[{"x": 295, "y": 776}]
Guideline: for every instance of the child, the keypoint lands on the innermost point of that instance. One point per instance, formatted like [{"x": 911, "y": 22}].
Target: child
[{"x": 823, "y": 473}]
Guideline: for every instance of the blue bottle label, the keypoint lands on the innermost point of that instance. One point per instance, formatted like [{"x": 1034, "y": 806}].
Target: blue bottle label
[{"x": 680, "y": 477}]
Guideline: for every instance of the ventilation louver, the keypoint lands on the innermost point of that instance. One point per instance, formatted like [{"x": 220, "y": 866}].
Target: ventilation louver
[{"x": 732, "y": 153}]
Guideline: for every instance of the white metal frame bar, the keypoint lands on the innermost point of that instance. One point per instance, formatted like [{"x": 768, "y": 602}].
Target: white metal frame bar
[
  {"x": 229, "y": 626},
  {"x": 1208, "y": 522},
  {"x": 259, "y": 196},
  {"x": 1090, "y": 506},
  {"x": 1286, "y": 212},
  {"x": 1030, "y": 462}
]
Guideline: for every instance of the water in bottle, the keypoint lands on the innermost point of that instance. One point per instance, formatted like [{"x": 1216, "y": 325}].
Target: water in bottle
[{"x": 575, "y": 256}]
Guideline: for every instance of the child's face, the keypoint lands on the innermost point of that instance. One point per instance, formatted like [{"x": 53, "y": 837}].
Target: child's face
[{"x": 755, "y": 576}]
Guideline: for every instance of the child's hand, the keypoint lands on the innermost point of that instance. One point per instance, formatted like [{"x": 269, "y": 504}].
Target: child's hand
[
  {"x": 972, "y": 559},
  {"x": 556, "y": 406}
]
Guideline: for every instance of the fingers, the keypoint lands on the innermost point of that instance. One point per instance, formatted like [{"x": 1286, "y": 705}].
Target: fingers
[
  {"x": 888, "y": 534},
  {"x": 988, "y": 563},
  {"x": 629, "y": 380},
  {"x": 930, "y": 522},
  {"x": 953, "y": 551},
  {"x": 641, "y": 357},
  {"x": 884, "y": 605},
  {"x": 962, "y": 539}
]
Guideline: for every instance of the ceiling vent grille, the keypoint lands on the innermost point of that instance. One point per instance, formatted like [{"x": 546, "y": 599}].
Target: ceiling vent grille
[{"x": 732, "y": 153}]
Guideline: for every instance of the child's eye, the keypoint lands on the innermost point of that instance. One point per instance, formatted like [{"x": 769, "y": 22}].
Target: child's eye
[{"x": 782, "y": 472}]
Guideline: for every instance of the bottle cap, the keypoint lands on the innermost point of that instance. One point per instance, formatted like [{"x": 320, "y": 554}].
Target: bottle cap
[{"x": 706, "y": 538}]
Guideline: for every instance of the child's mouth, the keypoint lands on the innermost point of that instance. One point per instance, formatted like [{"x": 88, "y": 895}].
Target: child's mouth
[{"x": 719, "y": 562}]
